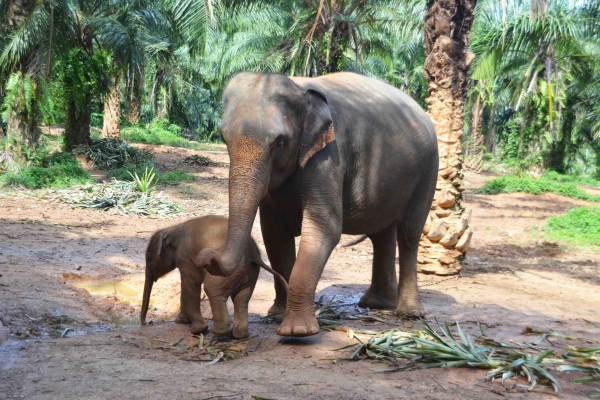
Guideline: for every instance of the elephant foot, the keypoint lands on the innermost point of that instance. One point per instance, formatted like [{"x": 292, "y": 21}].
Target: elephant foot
[
  {"x": 410, "y": 307},
  {"x": 220, "y": 331},
  {"x": 299, "y": 325},
  {"x": 240, "y": 332},
  {"x": 376, "y": 301},
  {"x": 278, "y": 308},
  {"x": 198, "y": 327},
  {"x": 182, "y": 318}
]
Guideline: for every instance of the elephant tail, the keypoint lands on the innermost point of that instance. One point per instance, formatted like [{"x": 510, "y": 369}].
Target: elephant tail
[
  {"x": 275, "y": 273},
  {"x": 355, "y": 241}
]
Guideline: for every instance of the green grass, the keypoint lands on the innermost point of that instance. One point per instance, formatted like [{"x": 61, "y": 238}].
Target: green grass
[
  {"x": 56, "y": 171},
  {"x": 579, "y": 226},
  {"x": 167, "y": 178},
  {"x": 575, "y": 179},
  {"x": 176, "y": 177},
  {"x": 512, "y": 184}
]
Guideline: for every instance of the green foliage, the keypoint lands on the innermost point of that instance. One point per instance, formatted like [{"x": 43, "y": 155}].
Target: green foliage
[
  {"x": 512, "y": 184},
  {"x": 488, "y": 156},
  {"x": 19, "y": 95},
  {"x": 158, "y": 133},
  {"x": 83, "y": 76},
  {"x": 107, "y": 154},
  {"x": 580, "y": 226},
  {"x": 55, "y": 171},
  {"x": 147, "y": 182}
]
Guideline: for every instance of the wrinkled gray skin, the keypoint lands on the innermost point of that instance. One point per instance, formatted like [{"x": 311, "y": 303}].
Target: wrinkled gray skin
[
  {"x": 177, "y": 247},
  {"x": 341, "y": 153}
]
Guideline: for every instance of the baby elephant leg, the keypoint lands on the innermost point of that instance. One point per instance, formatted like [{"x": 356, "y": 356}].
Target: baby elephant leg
[
  {"x": 190, "y": 303},
  {"x": 240, "y": 313},
  {"x": 221, "y": 320}
]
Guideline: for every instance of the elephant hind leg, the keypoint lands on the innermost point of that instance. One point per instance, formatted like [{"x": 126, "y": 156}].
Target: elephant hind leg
[
  {"x": 410, "y": 227},
  {"x": 240, "y": 313},
  {"x": 383, "y": 292}
]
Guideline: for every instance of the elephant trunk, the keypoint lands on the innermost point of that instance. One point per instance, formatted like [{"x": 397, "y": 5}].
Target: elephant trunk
[
  {"x": 248, "y": 182},
  {"x": 146, "y": 297}
]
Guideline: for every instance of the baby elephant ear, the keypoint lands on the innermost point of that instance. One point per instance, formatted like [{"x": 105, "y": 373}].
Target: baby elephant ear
[{"x": 318, "y": 126}]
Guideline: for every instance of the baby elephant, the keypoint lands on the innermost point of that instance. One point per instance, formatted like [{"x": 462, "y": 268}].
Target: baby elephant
[{"x": 177, "y": 247}]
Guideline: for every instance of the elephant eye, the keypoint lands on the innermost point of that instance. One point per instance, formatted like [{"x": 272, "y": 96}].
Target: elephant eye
[{"x": 280, "y": 141}]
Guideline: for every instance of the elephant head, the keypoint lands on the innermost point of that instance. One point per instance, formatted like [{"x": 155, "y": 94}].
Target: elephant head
[
  {"x": 271, "y": 127},
  {"x": 160, "y": 260}
]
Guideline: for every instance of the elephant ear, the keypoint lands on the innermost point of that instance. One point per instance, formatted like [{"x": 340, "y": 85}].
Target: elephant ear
[
  {"x": 164, "y": 240},
  {"x": 318, "y": 126}
]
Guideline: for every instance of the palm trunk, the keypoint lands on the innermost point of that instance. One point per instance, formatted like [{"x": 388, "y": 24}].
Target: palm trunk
[
  {"x": 135, "y": 87},
  {"x": 474, "y": 160},
  {"x": 77, "y": 130},
  {"x": 112, "y": 110},
  {"x": 447, "y": 26},
  {"x": 24, "y": 125}
]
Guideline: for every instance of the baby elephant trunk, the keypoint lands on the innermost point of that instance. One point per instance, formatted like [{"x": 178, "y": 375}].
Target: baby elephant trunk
[{"x": 146, "y": 298}]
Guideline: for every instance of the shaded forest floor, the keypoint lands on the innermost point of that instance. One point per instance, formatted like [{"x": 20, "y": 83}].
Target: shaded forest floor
[{"x": 79, "y": 273}]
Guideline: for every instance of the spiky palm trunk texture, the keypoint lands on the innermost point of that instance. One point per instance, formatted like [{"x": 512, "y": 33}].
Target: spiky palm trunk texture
[
  {"x": 474, "y": 159},
  {"x": 446, "y": 236},
  {"x": 112, "y": 110}
]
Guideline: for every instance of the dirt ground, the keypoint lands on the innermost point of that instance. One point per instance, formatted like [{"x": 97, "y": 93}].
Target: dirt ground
[{"x": 78, "y": 273}]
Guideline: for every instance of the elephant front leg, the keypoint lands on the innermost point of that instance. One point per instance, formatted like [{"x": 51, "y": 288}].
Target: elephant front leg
[
  {"x": 315, "y": 248},
  {"x": 281, "y": 250}
]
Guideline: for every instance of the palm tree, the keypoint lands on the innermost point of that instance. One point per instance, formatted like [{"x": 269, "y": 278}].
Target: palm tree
[
  {"x": 534, "y": 53},
  {"x": 447, "y": 27},
  {"x": 21, "y": 19}
]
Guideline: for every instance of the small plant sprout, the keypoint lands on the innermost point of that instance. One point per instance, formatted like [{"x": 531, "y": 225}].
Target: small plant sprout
[{"x": 147, "y": 182}]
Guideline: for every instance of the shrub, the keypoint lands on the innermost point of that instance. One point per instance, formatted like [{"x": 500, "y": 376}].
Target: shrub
[
  {"x": 579, "y": 225},
  {"x": 55, "y": 171},
  {"x": 158, "y": 133},
  {"x": 512, "y": 184}
]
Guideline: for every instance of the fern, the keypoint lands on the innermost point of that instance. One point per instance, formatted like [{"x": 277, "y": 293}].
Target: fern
[{"x": 20, "y": 94}]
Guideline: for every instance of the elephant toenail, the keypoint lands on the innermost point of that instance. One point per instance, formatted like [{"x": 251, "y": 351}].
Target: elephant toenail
[
  {"x": 300, "y": 330},
  {"x": 314, "y": 329},
  {"x": 415, "y": 313},
  {"x": 285, "y": 331}
]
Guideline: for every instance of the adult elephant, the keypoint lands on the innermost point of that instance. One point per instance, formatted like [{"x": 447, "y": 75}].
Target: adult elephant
[{"x": 341, "y": 153}]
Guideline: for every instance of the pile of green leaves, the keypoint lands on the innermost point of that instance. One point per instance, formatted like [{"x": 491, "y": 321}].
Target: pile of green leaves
[
  {"x": 427, "y": 348},
  {"x": 121, "y": 197},
  {"x": 55, "y": 171},
  {"x": 579, "y": 225},
  {"x": 157, "y": 133},
  {"x": 513, "y": 183},
  {"x": 109, "y": 154}
]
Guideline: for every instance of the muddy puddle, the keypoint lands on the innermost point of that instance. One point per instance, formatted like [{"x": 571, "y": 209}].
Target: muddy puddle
[{"x": 114, "y": 288}]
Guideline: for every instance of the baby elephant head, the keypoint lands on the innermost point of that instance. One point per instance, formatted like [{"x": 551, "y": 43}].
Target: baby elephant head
[{"x": 160, "y": 260}]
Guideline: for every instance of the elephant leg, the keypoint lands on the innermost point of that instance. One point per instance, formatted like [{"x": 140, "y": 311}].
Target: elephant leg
[
  {"x": 410, "y": 227},
  {"x": 240, "y": 313},
  {"x": 191, "y": 283},
  {"x": 318, "y": 241},
  {"x": 221, "y": 320},
  {"x": 383, "y": 292},
  {"x": 281, "y": 250}
]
